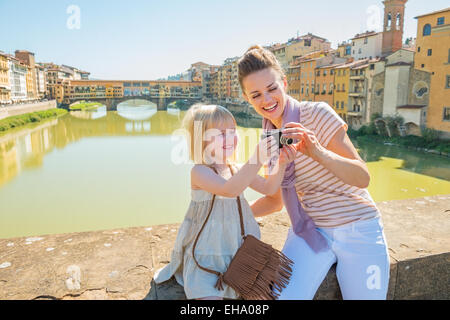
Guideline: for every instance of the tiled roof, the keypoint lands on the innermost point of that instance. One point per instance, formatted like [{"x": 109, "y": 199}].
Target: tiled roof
[{"x": 365, "y": 34}]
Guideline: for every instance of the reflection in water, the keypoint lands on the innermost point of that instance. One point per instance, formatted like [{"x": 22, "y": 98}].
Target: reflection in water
[
  {"x": 96, "y": 113},
  {"x": 173, "y": 111},
  {"x": 136, "y": 111},
  {"x": 419, "y": 162},
  {"x": 115, "y": 172}
]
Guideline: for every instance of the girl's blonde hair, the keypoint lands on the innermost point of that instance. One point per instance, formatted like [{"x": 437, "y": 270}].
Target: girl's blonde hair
[
  {"x": 198, "y": 119},
  {"x": 257, "y": 58}
]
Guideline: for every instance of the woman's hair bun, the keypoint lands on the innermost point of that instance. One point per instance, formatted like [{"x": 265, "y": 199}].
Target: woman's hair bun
[{"x": 256, "y": 46}]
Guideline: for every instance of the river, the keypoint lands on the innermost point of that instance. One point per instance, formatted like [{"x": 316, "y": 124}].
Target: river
[{"x": 97, "y": 170}]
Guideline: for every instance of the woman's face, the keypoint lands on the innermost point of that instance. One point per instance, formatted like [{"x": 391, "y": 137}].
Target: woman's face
[{"x": 266, "y": 92}]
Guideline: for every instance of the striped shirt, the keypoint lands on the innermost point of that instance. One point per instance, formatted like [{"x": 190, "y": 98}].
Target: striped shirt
[{"x": 327, "y": 199}]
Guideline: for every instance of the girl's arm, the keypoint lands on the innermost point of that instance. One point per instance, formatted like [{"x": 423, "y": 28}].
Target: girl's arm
[
  {"x": 206, "y": 179},
  {"x": 271, "y": 183}
]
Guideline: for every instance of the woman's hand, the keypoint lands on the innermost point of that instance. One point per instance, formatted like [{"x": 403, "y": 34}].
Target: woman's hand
[
  {"x": 287, "y": 155},
  {"x": 308, "y": 143}
]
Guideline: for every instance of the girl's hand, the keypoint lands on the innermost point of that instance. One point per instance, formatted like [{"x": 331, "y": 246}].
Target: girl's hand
[
  {"x": 266, "y": 149},
  {"x": 308, "y": 143},
  {"x": 287, "y": 155}
]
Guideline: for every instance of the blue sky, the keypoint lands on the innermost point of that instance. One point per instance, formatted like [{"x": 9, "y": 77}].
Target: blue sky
[{"x": 149, "y": 39}]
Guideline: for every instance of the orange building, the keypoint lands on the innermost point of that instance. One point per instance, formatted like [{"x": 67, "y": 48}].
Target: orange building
[
  {"x": 433, "y": 55},
  {"x": 294, "y": 83},
  {"x": 324, "y": 83},
  {"x": 307, "y": 79}
]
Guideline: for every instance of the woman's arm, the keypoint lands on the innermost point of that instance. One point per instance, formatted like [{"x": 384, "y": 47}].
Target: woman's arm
[
  {"x": 267, "y": 205},
  {"x": 339, "y": 157}
]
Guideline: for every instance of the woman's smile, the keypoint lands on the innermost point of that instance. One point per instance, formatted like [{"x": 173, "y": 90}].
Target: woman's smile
[{"x": 271, "y": 108}]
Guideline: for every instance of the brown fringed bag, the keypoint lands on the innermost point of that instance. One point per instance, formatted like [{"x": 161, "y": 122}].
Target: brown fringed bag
[{"x": 256, "y": 269}]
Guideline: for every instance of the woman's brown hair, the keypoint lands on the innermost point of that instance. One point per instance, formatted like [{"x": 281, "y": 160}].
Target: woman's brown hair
[{"x": 257, "y": 58}]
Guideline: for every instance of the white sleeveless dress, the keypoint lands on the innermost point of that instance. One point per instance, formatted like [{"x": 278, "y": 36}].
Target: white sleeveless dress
[{"x": 216, "y": 247}]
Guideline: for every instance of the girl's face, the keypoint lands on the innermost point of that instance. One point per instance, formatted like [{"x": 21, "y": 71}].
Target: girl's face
[
  {"x": 265, "y": 91},
  {"x": 220, "y": 143}
]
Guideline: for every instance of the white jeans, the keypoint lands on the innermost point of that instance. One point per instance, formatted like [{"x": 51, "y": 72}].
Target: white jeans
[{"x": 362, "y": 257}]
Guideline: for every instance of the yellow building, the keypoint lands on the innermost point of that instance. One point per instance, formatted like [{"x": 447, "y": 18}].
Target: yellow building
[
  {"x": 5, "y": 87},
  {"x": 342, "y": 86},
  {"x": 433, "y": 55},
  {"x": 301, "y": 46},
  {"x": 31, "y": 80},
  {"x": 293, "y": 79}
]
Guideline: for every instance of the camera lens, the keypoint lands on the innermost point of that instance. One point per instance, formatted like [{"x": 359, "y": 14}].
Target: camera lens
[{"x": 286, "y": 141}]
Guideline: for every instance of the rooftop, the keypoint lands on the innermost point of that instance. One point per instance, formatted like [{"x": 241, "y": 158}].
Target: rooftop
[
  {"x": 365, "y": 34},
  {"x": 434, "y": 12}
]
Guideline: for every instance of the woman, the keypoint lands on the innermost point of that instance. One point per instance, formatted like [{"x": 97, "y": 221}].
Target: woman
[{"x": 330, "y": 181}]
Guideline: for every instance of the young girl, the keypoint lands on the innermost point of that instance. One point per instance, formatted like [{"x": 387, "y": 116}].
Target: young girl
[{"x": 213, "y": 141}]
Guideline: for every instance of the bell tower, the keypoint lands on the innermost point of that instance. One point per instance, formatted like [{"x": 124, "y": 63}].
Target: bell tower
[{"x": 394, "y": 15}]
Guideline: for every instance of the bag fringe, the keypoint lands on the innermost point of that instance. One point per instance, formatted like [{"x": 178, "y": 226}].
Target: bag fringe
[{"x": 259, "y": 272}]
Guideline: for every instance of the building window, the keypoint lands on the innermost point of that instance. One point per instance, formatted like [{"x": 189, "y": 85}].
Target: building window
[
  {"x": 418, "y": 49},
  {"x": 441, "y": 21},
  {"x": 365, "y": 40},
  {"x": 397, "y": 23},
  {"x": 446, "y": 116},
  {"x": 426, "y": 30},
  {"x": 448, "y": 56},
  {"x": 423, "y": 66},
  {"x": 389, "y": 22},
  {"x": 430, "y": 52},
  {"x": 448, "y": 82}
]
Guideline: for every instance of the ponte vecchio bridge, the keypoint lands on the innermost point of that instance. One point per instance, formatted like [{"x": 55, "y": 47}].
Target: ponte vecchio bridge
[{"x": 113, "y": 92}]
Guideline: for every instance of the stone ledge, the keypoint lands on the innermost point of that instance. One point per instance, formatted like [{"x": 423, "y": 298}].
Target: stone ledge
[{"x": 120, "y": 263}]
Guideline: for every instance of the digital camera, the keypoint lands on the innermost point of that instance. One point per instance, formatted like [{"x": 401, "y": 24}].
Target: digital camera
[{"x": 278, "y": 135}]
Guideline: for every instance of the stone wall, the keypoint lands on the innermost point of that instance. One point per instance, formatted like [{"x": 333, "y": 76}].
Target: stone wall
[
  {"x": 26, "y": 108},
  {"x": 120, "y": 263}
]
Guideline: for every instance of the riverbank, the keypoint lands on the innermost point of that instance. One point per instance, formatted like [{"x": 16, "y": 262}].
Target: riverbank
[
  {"x": 23, "y": 119},
  {"x": 421, "y": 144},
  {"x": 18, "y": 109},
  {"x": 120, "y": 263}
]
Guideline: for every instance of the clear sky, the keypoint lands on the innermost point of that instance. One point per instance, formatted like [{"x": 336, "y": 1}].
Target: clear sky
[{"x": 150, "y": 39}]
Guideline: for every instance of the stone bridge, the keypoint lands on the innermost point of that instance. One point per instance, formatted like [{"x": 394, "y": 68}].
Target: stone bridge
[{"x": 161, "y": 102}]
